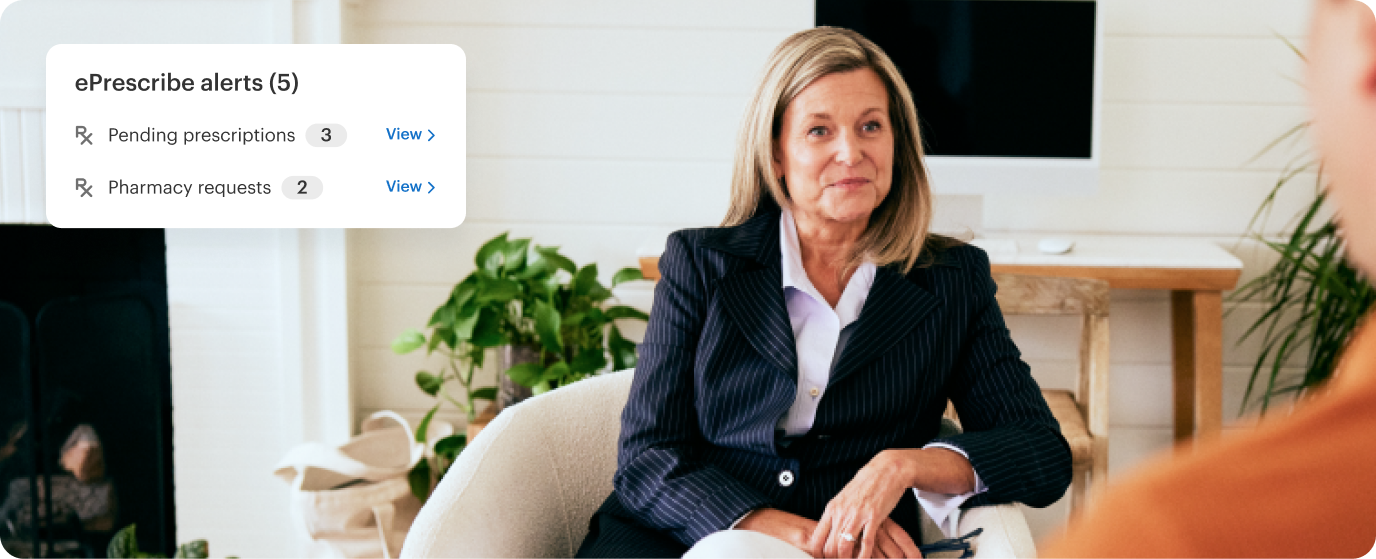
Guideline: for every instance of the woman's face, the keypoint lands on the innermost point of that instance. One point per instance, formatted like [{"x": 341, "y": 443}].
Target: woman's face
[
  {"x": 1342, "y": 90},
  {"x": 835, "y": 147}
]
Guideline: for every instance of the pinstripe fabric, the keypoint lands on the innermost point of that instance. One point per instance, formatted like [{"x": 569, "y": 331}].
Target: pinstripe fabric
[{"x": 718, "y": 368}]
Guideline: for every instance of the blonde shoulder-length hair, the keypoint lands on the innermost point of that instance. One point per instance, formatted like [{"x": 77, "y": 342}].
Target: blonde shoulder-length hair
[{"x": 898, "y": 228}]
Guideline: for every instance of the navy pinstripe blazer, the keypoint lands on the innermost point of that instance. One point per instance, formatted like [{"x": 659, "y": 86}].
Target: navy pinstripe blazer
[{"x": 718, "y": 367}]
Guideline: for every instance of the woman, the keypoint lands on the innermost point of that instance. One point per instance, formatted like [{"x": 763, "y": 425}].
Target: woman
[{"x": 798, "y": 359}]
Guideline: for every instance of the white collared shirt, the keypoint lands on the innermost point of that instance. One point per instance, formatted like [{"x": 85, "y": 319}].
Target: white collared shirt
[{"x": 819, "y": 333}]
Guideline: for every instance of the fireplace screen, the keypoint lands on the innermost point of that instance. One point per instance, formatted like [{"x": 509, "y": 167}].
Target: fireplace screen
[{"x": 84, "y": 395}]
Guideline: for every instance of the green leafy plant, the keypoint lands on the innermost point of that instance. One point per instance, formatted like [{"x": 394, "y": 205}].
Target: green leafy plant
[
  {"x": 125, "y": 544},
  {"x": 1313, "y": 297},
  {"x": 523, "y": 295}
]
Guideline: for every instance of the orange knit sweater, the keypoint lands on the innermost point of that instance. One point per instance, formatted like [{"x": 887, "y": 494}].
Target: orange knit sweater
[{"x": 1301, "y": 485}]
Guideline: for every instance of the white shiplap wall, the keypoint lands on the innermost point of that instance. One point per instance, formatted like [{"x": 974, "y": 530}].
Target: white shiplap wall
[
  {"x": 592, "y": 125},
  {"x": 595, "y": 125},
  {"x": 21, "y": 166}
]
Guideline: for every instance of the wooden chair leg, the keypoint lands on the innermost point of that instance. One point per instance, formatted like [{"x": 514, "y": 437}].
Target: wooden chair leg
[
  {"x": 1078, "y": 491},
  {"x": 1099, "y": 469}
]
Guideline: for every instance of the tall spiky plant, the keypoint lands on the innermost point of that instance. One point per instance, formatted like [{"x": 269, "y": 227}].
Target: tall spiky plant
[{"x": 1312, "y": 295}]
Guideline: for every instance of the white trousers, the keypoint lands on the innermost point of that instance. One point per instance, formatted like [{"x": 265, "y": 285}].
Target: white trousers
[{"x": 743, "y": 544}]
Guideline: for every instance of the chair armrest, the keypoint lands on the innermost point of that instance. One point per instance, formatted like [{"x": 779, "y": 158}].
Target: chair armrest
[
  {"x": 1005, "y": 531},
  {"x": 1005, "y": 528}
]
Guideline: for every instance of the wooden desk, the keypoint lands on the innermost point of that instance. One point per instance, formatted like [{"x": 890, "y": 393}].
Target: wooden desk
[{"x": 1195, "y": 272}]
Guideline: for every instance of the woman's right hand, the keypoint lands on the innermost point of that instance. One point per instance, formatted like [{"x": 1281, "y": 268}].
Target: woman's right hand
[
  {"x": 892, "y": 541},
  {"x": 789, "y": 527}
]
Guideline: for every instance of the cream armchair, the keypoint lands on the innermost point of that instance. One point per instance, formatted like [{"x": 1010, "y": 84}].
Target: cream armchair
[{"x": 528, "y": 484}]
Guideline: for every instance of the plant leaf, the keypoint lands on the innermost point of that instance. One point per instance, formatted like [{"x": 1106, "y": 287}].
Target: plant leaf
[
  {"x": 444, "y": 314},
  {"x": 573, "y": 320},
  {"x": 428, "y": 383},
  {"x": 626, "y": 274},
  {"x": 555, "y": 373},
  {"x": 584, "y": 280},
  {"x": 597, "y": 316},
  {"x": 464, "y": 291},
  {"x": 487, "y": 332},
  {"x": 124, "y": 543},
  {"x": 498, "y": 290},
  {"x": 424, "y": 428},
  {"x": 515, "y": 254},
  {"x": 526, "y": 374},
  {"x": 444, "y": 335},
  {"x": 463, "y": 327},
  {"x": 598, "y": 293},
  {"x": 194, "y": 549},
  {"x": 489, "y": 257},
  {"x": 622, "y": 350},
  {"x": 547, "y": 323},
  {"x": 485, "y": 393},
  {"x": 558, "y": 261},
  {"x": 408, "y": 341},
  {"x": 588, "y": 360},
  {"x": 419, "y": 479},
  {"x": 451, "y": 446}
]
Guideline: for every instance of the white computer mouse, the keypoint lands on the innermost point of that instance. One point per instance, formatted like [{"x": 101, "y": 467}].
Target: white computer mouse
[{"x": 1055, "y": 246}]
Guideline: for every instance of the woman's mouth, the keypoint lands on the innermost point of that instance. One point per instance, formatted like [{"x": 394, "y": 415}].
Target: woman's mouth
[{"x": 851, "y": 183}]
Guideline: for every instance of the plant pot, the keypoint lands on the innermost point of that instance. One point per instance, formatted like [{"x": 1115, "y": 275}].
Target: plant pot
[{"x": 508, "y": 356}]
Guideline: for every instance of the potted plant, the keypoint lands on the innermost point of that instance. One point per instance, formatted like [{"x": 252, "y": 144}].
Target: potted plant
[
  {"x": 125, "y": 544},
  {"x": 548, "y": 318},
  {"x": 1313, "y": 298}
]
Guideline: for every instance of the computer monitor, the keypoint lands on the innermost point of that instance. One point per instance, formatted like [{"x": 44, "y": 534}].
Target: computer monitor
[{"x": 1008, "y": 91}]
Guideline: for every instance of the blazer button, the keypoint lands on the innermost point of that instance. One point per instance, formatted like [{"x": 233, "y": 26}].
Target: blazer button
[{"x": 785, "y": 478}]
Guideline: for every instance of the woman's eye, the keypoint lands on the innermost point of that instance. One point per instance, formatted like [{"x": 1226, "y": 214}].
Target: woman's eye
[
  {"x": 872, "y": 126},
  {"x": 817, "y": 131}
]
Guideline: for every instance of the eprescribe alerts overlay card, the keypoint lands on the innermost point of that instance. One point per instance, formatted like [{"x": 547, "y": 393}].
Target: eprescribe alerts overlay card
[{"x": 172, "y": 136}]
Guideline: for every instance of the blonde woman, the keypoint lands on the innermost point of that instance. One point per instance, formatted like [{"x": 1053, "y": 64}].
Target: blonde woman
[{"x": 799, "y": 357}]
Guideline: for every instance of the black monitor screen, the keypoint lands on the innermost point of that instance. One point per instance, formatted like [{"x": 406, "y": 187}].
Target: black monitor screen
[{"x": 991, "y": 78}]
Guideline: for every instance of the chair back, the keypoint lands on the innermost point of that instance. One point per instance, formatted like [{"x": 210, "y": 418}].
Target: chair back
[
  {"x": 1089, "y": 298},
  {"x": 1022, "y": 294},
  {"x": 528, "y": 483}
]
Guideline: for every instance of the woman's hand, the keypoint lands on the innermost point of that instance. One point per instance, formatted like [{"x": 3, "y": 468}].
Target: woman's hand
[
  {"x": 861, "y": 508},
  {"x": 893, "y": 542},
  {"x": 794, "y": 529}
]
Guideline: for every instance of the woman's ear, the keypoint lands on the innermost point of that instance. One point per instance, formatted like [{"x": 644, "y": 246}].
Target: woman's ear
[
  {"x": 1367, "y": 55},
  {"x": 779, "y": 170}
]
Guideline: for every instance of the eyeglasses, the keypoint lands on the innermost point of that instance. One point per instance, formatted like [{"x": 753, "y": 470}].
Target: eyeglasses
[{"x": 961, "y": 544}]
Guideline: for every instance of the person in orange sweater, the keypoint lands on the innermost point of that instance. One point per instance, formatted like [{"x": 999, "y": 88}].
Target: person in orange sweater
[{"x": 1301, "y": 485}]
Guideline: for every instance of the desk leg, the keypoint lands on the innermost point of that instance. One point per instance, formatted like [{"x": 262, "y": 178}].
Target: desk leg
[{"x": 1197, "y": 358}]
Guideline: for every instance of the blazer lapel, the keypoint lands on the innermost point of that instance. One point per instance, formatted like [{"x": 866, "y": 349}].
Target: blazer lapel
[
  {"x": 893, "y": 308},
  {"x": 754, "y": 297}
]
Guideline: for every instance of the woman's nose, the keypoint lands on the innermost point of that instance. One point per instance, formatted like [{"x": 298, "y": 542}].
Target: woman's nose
[{"x": 848, "y": 150}]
